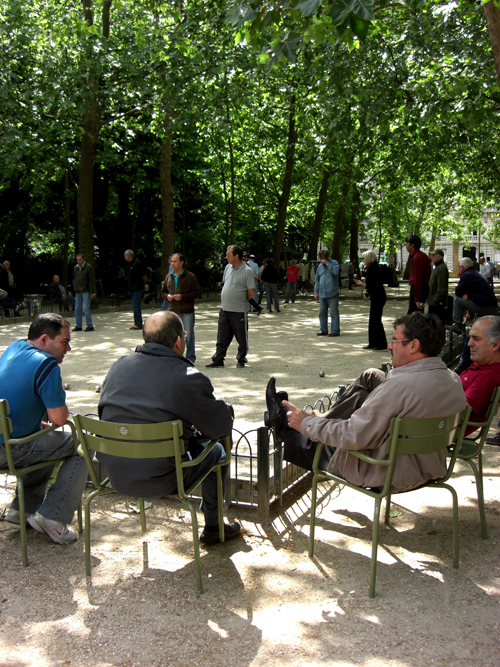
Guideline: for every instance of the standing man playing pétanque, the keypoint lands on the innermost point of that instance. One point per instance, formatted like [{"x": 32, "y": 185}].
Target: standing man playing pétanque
[
  {"x": 179, "y": 291},
  {"x": 136, "y": 280},
  {"x": 239, "y": 287},
  {"x": 84, "y": 291}
]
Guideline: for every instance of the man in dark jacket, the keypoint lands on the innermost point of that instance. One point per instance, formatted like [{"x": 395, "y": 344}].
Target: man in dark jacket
[
  {"x": 438, "y": 286},
  {"x": 84, "y": 291},
  {"x": 136, "y": 280},
  {"x": 179, "y": 291},
  {"x": 473, "y": 295},
  {"x": 156, "y": 384}
]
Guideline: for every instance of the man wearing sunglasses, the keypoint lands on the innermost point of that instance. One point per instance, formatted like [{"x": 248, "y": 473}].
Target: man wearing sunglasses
[{"x": 419, "y": 386}]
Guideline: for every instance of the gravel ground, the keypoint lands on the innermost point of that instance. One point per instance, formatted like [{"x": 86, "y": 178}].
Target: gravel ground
[{"x": 265, "y": 602}]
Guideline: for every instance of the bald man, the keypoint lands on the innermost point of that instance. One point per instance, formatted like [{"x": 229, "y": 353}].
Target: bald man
[{"x": 156, "y": 383}]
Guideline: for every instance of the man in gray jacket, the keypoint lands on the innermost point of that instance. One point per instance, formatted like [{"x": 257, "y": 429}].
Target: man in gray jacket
[
  {"x": 156, "y": 383},
  {"x": 419, "y": 386}
]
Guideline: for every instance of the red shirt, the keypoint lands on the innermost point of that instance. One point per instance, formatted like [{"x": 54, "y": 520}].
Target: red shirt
[
  {"x": 291, "y": 274},
  {"x": 420, "y": 272},
  {"x": 478, "y": 383}
]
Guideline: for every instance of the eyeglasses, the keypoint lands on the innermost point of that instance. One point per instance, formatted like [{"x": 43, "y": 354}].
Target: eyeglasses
[{"x": 395, "y": 340}]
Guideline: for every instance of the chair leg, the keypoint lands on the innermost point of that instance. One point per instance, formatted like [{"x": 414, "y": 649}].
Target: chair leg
[
  {"x": 455, "y": 523},
  {"x": 88, "y": 564},
  {"x": 220, "y": 504},
  {"x": 196, "y": 544},
  {"x": 79, "y": 516},
  {"x": 143, "y": 515},
  {"x": 312, "y": 521},
  {"x": 373, "y": 567},
  {"x": 22, "y": 521},
  {"x": 478, "y": 474},
  {"x": 387, "y": 509}
]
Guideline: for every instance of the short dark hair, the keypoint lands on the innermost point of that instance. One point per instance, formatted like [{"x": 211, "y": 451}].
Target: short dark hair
[
  {"x": 324, "y": 253},
  {"x": 180, "y": 256},
  {"x": 47, "y": 323},
  {"x": 236, "y": 250},
  {"x": 79, "y": 254},
  {"x": 166, "y": 334},
  {"x": 414, "y": 240},
  {"x": 428, "y": 329}
]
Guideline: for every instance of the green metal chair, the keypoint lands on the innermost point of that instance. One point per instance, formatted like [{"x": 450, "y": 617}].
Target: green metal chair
[
  {"x": 146, "y": 441},
  {"x": 18, "y": 472},
  {"x": 406, "y": 436},
  {"x": 472, "y": 447}
]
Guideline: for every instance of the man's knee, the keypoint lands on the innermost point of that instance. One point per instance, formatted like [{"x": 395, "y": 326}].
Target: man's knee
[{"x": 371, "y": 378}]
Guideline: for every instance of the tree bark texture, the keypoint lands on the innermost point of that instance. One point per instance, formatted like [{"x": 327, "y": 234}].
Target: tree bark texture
[
  {"x": 339, "y": 222},
  {"x": 167, "y": 196},
  {"x": 287, "y": 184},
  {"x": 67, "y": 228},
  {"x": 353, "y": 242},
  {"x": 492, "y": 13},
  {"x": 318, "y": 214}
]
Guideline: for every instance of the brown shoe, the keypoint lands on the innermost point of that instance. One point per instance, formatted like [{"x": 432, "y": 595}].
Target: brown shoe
[
  {"x": 494, "y": 440},
  {"x": 321, "y": 333},
  {"x": 333, "y": 334},
  {"x": 136, "y": 327}
]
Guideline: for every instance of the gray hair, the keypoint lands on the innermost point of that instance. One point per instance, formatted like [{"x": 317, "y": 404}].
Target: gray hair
[
  {"x": 163, "y": 328},
  {"x": 493, "y": 330},
  {"x": 324, "y": 254},
  {"x": 369, "y": 257},
  {"x": 130, "y": 253},
  {"x": 466, "y": 262}
]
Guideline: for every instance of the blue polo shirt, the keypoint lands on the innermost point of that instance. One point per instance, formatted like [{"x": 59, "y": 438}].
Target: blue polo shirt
[{"x": 30, "y": 380}]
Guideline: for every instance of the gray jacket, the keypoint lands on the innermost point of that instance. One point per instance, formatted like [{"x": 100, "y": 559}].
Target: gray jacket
[
  {"x": 424, "y": 388},
  {"x": 151, "y": 385}
]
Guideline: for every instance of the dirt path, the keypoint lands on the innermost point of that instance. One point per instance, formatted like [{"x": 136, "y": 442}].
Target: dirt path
[{"x": 265, "y": 602}]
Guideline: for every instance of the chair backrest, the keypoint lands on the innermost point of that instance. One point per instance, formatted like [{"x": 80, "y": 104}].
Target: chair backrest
[
  {"x": 422, "y": 436},
  {"x": 490, "y": 414},
  {"x": 135, "y": 441},
  {"x": 5, "y": 422}
]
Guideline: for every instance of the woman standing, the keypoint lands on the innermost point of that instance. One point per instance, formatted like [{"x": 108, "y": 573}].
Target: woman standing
[{"x": 376, "y": 293}]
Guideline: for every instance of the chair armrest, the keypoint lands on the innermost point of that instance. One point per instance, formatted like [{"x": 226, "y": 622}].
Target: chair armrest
[
  {"x": 201, "y": 456},
  {"x": 353, "y": 452}
]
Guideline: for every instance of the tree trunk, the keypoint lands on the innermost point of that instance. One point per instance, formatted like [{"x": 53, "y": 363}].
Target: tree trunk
[
  {"x": 353, "y": 242},
  {"x": 167, "y": 195},
  {"x": 433, "y": 239},
  {"x": 231, "y": 170},
  {"x": 492, "y": 13},
  {"x": 455, "y": 257},
  {"x": 67, "y": 228},
  {"x": 318, "y": 215},
  {"x": 339, "y": 223},
  {"x": 287, "y": 184}
]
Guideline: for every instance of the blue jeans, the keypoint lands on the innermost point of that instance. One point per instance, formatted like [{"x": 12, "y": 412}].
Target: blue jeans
[
  {"x": 291, "y": 288},
  {"x": 136, "y": 296},
  {"x": 82, "y": 303},
  {"x": 332, "y": 303},
  {"x": 61, "y": 500},
  {"x": 272, "y": 293}
]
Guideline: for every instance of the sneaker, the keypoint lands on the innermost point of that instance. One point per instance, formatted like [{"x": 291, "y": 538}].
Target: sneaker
[
  {"x": 89, "y": 329},
  {"x": 210, "y": 534},
  {"x": 77, "y": 329},
  {"x": 494, "y": 440},
  {"x": 12, "y": 516},
  {"x": 58, "y": 532}
]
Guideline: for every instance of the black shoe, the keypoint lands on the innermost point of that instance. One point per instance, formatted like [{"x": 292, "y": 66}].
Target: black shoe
[
  {"x": 89, "y": 329},
  {"x": 210, "y": 534},
  {"x": 240, "y": 364},
  {"x": 77, "y": 329},
  {"x": 215, "y": 364},
  {"x": 259, "y": 311},
  {"x": 367, "y": 347},
  {"x": 273, "y": 402}
]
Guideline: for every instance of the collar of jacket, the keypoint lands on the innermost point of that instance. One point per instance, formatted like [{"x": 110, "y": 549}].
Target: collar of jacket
[
  {"x": 426, "y": 364},
  {"x": 158, "y": 350}
]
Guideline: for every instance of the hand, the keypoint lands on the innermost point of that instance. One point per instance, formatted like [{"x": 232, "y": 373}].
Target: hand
[
  {"x": 465, "y": 297},
  {"x": 170, "y": 297},
  {"x": 178, "y": 297},
  {"x": 296, "y": 416},
  {"x": 468, "y": 317},
  {"x": 146, "y": 287},
  {"x": 92, "y": 296},
  {"x": 365, "y": 297},
  {"x": 419, "y": 306},
  {"x": 358, "y": 282},
  {"x": 44, "y": 425},
  {"x": 316, "y": 296}
]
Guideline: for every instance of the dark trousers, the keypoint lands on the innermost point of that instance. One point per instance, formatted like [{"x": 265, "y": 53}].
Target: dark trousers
[
  {"x": 376, "y": 332},
  {"x": 299, "y": 449},
  {"x": 231, "y": 325},
  {"x": 439, "y": 311},
  {"x": 411, "y": 304}
]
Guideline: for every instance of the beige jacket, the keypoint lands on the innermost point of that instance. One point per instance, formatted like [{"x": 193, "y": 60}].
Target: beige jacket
[{"x": 424, "y": 388}]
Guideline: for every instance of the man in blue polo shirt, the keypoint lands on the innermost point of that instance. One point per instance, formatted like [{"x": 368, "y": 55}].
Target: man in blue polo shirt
[{"x": 30, "y": 380}]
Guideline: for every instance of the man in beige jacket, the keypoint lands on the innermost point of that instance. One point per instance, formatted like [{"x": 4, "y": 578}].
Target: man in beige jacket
[{"x": 419, "y": 386}]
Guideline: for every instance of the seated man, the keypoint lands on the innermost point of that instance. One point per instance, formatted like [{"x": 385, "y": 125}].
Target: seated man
[
  {"x": 419, "y": 386},
  {"x": 483, "y": 376},
  {"x": 157, "y": 384},
  {"x": 59, "y": 294},
  {"x": 473, "y": 295},
  {"x": 30, "y": 379}
]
